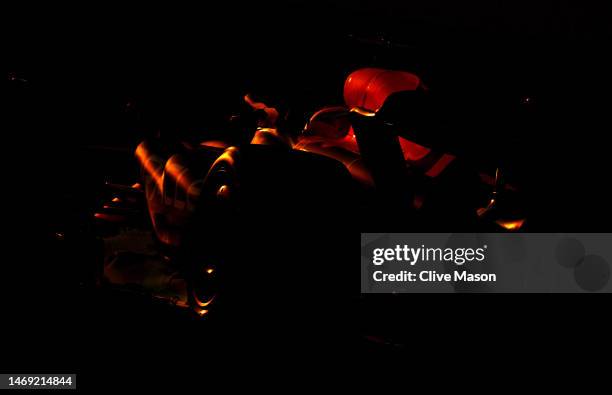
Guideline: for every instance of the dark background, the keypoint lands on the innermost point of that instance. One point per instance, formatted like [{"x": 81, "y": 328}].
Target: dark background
[{"x": 184, "y": 66}]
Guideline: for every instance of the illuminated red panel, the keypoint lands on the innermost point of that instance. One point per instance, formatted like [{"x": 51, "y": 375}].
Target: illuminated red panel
[
  {"x": 413, "y": 151},
  {"x": 440, "y": 165},
  {"x": 369, "y": 88}
]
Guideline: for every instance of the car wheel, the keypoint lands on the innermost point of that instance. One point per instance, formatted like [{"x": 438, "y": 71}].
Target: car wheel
[{"x": 207, "y": 244}]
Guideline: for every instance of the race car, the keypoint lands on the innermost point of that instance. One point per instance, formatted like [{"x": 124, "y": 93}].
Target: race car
[{"x": 375, "y": 160}]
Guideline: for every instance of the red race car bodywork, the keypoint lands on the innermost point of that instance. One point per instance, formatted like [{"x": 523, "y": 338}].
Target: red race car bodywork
[{"x": 176, "y": 178}]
